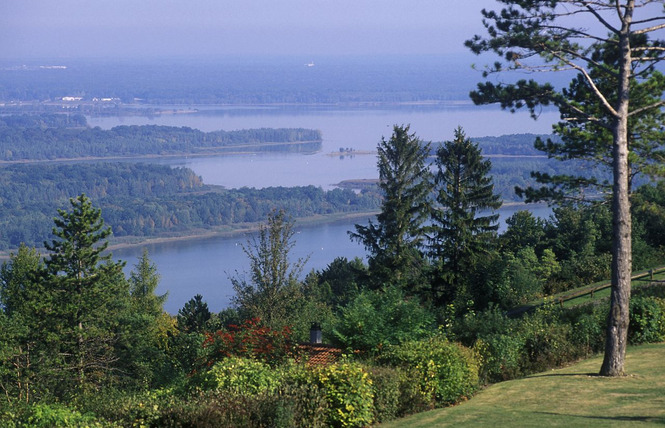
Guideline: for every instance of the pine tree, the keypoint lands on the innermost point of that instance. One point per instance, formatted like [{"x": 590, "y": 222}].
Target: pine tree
[
  {"x": 564, "y": 35},
  {"x": 589, "y": 142},
  {"x": 394, "y": 241},
  {"x": 143, "y": 282},
  {"x": 145, "y": 326},
  {"x": 460, "y": 230},
  {"x": 85, "y": 292}
]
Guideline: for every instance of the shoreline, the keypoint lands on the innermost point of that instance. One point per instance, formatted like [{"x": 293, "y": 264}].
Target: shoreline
[
  {"x": 234, "y": 230},
  {"x": 242, "y": 229},
  {"x": 211, "y": 153},
  {"x": 219, "y": 232}
]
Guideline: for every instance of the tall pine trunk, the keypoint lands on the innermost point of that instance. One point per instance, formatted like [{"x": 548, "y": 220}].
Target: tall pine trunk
[{"x": 618, "y": 319}]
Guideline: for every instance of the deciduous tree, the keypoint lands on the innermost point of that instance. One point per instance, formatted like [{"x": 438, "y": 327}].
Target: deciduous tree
[{"x": 273, "y": 288}]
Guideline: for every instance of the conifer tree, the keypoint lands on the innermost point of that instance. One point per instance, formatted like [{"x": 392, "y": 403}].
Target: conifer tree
[
  {"x": 566, "y": 35},
  {"x": 85, "y": 292},
  {"x": 395, "y": 240},
  {"x": 461, "y": 229},
  {"x": 143, "y": 282}
]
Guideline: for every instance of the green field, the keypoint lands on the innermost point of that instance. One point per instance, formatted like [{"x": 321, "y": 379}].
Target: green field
[{"x": 570, "y": 397}]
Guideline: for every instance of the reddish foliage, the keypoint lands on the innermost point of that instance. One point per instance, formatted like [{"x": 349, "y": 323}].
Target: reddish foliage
[{"x": 249, "y": 340}]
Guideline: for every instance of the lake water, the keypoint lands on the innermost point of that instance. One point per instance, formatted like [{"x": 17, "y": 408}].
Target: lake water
[
  {"x": 203, "y": 266},
  {"x": 360, "y": 129}
]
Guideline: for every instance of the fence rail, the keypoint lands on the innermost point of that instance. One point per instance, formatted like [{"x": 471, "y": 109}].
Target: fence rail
[{"x": 643, "y": 276}]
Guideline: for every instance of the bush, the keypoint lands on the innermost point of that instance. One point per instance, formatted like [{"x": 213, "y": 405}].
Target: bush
[
  {"x": 220, "y": 409},
  {"x": 251, "y": 339},
  {"x": 377, "y": 318},
  {"x": 52, "y": 416},
  {"x": 546, "y": 341},
  {"x": 348, "y": 392},
  {"x": 141, "y": 409},
  {"x": 446, "y": 372},
  {"x": 395, "y": 393},
  {"x": 386, "y": 383},
  {"x": 499, "y": 356},
  {"x": 301, "y": 405},
  {"x": 241, "y": 376},
  {"x": 589, "y": 323},
  {"x": 647, "y": 320}
]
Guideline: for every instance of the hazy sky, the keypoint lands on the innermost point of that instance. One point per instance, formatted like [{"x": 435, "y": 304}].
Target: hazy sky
[{"x": 140, "y": 28}]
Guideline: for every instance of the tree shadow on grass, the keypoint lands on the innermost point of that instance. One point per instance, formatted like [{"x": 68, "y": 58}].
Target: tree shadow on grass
[
  {"x": 566, "y": 375},
  {"x": 650, "y": 419}
]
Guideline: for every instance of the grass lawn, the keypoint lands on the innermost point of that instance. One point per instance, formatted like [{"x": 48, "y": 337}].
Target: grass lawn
[{"x": 570, "y": 397}]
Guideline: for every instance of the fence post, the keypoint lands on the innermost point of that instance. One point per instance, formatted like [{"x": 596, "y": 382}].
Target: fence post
[{"x": 651, "y": 274}]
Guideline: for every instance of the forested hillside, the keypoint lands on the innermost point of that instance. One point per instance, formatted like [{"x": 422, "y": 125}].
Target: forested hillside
[
  {"x": 149, "y": 200},
  {"x": 64, "y": 137}
]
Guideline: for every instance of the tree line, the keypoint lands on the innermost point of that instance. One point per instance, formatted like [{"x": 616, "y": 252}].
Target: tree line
[
  {"x": 61, "y": 137},
  {"x": 150, "y": 200}
]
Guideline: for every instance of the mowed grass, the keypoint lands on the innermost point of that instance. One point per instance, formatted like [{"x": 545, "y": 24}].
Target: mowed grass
[{"x": 570, "y": 397}]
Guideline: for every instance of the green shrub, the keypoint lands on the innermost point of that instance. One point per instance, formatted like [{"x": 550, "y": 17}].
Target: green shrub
[
  {"x": 546, "y": 341},
  {"x": 446, "y": 372},
  {"x": 220, "y": 409},
  {"x": 589, "y": 323},
  {"x": 396, "y": 394},
  {"x": 348, "y": 391},
  {"x": 499, "y": 356},
  {"x": 301, "y": 405},
  {"x": 647, "y": 320},
  {"x": 55, "y": 415},
  {"x": 386, "y": 383},
  {"x": 140, "y": 409},
  {"x": 376, "y": 318},
  {"x": 241, "y": 376},
  {"x": 480, "y": 325},
  {"x": 654, "y": 289}
]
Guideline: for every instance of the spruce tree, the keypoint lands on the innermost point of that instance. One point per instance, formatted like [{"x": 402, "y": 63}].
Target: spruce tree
[
  {"x": 143, "y": 282},
  {"x": 461, "y": 228},
  {"x": 85, "y": 292},
  {"x": 395, "y": 240}
]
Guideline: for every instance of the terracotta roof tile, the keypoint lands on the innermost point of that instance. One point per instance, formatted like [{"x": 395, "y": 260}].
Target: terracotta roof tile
[{"x": 317, "y": 354}]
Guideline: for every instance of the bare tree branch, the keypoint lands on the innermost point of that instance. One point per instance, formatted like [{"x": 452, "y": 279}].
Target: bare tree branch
[{"x": 650, "y": 29}]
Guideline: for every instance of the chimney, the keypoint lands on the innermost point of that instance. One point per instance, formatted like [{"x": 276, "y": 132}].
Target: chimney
[{"x": 315, "y": 333}]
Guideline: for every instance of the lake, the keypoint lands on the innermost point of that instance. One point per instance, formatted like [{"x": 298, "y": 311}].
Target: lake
[{"x": 203, "y": 266}]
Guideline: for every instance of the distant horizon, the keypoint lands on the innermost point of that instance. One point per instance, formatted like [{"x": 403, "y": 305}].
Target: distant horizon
[{"x": 249, "y": 56}]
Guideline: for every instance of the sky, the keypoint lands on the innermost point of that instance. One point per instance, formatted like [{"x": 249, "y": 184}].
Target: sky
[{"x": 170, "y": 28}]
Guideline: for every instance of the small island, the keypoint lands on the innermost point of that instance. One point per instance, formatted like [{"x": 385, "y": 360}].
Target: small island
[{"x": 50, "y": 137}]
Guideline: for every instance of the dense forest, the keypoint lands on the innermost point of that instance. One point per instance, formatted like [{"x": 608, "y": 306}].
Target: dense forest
[
  {"x": 63, "y": 136},
  {"x": 150, "y": 200}
]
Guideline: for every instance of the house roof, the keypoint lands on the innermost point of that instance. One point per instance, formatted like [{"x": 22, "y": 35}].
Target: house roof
[{"x": 319, "y": 354}]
